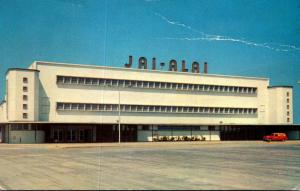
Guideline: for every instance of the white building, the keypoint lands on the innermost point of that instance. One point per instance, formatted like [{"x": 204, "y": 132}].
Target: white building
[{"x": 57, "y": 102}]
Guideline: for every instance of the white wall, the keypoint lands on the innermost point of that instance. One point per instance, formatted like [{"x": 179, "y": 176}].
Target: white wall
[
  {"x": 3, "y": 116},
  {"x": 278, "y": 105},
  {"x": 85, "y": 94},
  {"x": 15, "y": 95},
  {"x": 44, "y": 93}
]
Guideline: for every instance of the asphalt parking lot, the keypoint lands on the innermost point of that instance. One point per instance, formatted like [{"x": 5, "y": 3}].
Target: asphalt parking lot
[{"x": 186, "y": 165}]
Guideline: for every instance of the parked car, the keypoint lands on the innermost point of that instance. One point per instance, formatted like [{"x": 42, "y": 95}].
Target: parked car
[{"x": 275, "y": 137}]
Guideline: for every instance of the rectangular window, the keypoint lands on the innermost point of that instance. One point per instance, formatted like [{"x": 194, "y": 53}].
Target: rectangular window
[
  {"x": 201, "y": 87},
  {"x": 127, "y": 108},
  {"x": 179, "y": 86},
  {"x": 88, "y": 107},
  {"x": 60, "y": 79},
  {"x": 288, "y": 119},
  {"x": 287, "y": 100},
  {"x": 287, "y": 94},
  {"x": 25, "y": 115},
  {"x": 146, "y": 108},
  {"x": 25, "y": 106},
  {"x": 67, "y": 106},
  {"x": 74, "y": 106},
  {"x": 60, "y": 106},
  {"x": 287, "y": 113},
  {"x": 25, "y": 89},
  {"x": 157, "y": 84},
  {"x": 102, "y": 82},
  {"x": 221, "y": 110},
  {"x": 146, "y": 84},
  {"x": 25, "y": 97},
  {"x": 174, "y": 86},
  {"x": 74, "y": 80},
  {"x": 133, "y": 83},
  {"x": 168, "y": 85},
  {"x": 81, "y": 106},
  {"x": 67, "y": 80},
  {"x": 151, "y": 84},
  {"x": 25, "y": 80},
  {"x": 114, "y": 82},
  {"x": 88, "y": 81},
  {"x": 95, "y": 107},
  {"x": 102, "y": 107},
  {"x": 139, "y": 84},
  {"x": 288, "y": 106},
  {"x": 81, "y": 81}
]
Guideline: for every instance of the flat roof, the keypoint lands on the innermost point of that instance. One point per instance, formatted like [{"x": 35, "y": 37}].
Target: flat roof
[
  {"x": 280, "y": 86},
  {"x": 21, "y": 69},
  {"x": 145, "y": 70},
  {"x": 175, "y": 124}
]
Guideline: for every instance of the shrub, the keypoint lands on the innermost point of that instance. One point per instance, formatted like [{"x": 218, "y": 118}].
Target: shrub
[{"x": 164, "y": 138}]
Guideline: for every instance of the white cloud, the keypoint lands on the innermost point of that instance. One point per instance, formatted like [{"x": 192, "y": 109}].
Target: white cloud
[{"x": 210, "y": 37}]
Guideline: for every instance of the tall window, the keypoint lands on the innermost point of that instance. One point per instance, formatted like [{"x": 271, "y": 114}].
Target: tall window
[
  {"x": 25, "y": 106},
  {"x": 25, "y": 89},
  {"x": 25, "y": 115},
  {"x": 25, "y": 80},
  {"x": 25, "y": 97}
]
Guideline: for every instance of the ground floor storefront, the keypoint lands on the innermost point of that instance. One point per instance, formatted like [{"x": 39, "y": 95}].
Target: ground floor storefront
[{"x": 89, "y": 133}]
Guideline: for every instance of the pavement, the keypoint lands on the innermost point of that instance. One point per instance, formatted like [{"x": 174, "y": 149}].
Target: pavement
[{"x": 161, "y": 165}]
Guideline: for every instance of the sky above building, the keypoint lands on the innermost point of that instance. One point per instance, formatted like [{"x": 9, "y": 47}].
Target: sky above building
[{"x": 238, "y": 37}]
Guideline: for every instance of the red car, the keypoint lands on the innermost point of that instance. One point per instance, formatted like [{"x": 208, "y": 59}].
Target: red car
[{"x": 275, "y": 137}]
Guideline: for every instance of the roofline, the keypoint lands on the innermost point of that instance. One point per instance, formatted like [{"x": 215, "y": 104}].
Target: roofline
[
  {"x": 147, "y": 70},
  {"x": 280, "y": 86},
  {"x": 173, "y": 124},
  {"x": 21, "y": 69}
]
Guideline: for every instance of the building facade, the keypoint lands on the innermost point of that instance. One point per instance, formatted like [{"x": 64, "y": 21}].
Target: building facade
[{"x": 57, "y": 102}]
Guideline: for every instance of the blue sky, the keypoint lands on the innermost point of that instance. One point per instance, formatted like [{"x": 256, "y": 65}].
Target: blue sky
[{"x": 238, "y": 37}]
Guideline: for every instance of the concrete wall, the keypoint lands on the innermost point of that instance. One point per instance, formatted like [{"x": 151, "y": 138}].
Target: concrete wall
[
  {"x": 279, "y": 99},
  {"x": 87, "y": 94},
  {"x": 3, "y": 116},
  {"x": 15, "y": 95},
  {"x": 26, "y": 136},
  {"x": 43, "y": 94}
]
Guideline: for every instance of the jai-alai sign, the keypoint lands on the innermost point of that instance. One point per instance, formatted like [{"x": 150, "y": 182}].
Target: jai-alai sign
[{"x": 143, "y": 64}]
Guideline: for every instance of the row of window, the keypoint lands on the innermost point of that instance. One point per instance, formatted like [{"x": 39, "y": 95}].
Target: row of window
[
  {"x": 25, "y": 98},
  {"x": 151, "y": 108},
  {"x": 153, "y": 85}
]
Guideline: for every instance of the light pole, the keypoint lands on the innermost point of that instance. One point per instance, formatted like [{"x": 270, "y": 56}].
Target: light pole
[{"x": 119, "y": 109}]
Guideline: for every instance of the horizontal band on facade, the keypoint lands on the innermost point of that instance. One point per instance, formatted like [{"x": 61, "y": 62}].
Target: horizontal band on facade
[
  {"x": 73, "y": 80},
  {"x": 64, "y": 106}
]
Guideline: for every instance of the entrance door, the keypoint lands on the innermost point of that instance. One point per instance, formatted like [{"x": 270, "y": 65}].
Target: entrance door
[
  {"x": 58, "y": 135},
  {"x": 71, "y": 135}
]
